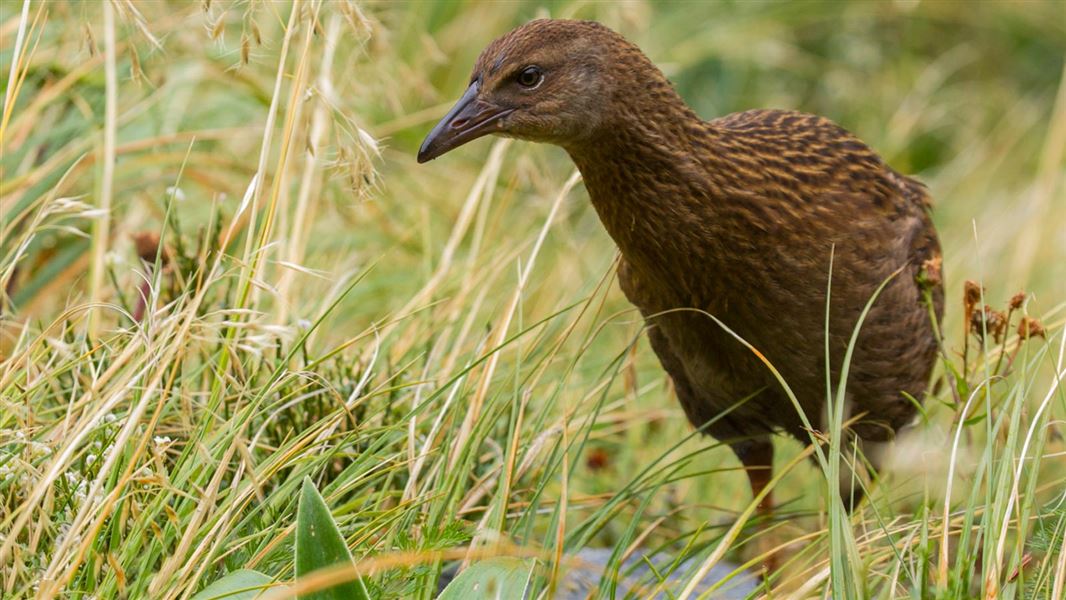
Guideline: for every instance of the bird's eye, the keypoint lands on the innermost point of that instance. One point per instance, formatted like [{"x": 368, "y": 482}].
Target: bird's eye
[{"x": 530, "y": 77}]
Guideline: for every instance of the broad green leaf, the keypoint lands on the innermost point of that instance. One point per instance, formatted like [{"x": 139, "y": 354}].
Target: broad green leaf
[
  {"x": 502, "y": 577},
  {"x": 244, "y": 584},
  {"x": 319, "y": 544}
]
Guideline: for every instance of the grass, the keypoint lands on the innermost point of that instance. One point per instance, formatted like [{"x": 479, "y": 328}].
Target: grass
[{"x": 223, "y": 272}]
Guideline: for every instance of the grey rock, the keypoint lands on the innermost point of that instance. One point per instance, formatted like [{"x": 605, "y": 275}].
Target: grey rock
[{"x": 636, "y": 578}]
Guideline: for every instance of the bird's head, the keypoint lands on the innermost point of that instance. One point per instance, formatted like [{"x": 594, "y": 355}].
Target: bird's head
[{"x": 547, "y": 81}]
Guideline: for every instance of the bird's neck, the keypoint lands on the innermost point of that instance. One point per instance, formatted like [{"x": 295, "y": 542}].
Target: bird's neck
[{"x": 653, "y": 178}]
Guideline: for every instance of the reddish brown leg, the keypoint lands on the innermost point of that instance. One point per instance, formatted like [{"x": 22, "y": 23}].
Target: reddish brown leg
[{"x": 757, "y": 456}]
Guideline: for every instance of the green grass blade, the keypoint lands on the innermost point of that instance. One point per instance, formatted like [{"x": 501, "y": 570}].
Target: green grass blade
[{"x": 319, "y": 544}]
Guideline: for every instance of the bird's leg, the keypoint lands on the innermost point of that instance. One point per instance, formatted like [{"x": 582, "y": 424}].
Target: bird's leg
[{"x": 757, "y": 456}]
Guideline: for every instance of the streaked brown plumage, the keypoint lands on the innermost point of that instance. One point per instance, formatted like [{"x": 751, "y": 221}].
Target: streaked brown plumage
[{"x": 735, "y": 217}]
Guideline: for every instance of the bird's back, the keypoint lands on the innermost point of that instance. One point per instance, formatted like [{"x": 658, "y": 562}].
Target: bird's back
[{"x": 798, "y": 189}]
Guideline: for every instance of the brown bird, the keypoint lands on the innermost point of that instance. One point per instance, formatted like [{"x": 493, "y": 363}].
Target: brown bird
[{"x": 738, "y": 218}]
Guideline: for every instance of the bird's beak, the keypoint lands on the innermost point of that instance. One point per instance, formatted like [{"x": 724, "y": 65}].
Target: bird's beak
[{"x": 469, "y": 119}]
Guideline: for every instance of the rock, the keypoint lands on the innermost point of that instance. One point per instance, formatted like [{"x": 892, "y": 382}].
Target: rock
[{"x": 636, "y": 579}]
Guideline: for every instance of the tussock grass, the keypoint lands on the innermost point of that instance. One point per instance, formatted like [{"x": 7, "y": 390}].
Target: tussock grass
[{"x": 222, "y": 272}]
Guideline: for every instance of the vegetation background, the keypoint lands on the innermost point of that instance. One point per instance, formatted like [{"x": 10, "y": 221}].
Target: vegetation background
[{"x": 223, "y": 271}]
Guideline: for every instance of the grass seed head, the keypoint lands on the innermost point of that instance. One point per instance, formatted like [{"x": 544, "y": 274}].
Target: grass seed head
[
  {"x": 358, "y": 21},
  {"x": 136, "y": 74},
  {"x": 971, "y": 298},
  {"x": 90, "y": 41},
  {"x": 218, "y": 27},
  {"x": 256, "y": 34},
  {"x": 931, "y": 274},
  {"x": 988, "y": 321},
  {"x": 971, "y": 295},
  {"x": 1031, "y": 327}
]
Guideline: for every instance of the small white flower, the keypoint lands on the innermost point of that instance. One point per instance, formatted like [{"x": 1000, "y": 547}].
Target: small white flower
[
  {"x": 37, "y": 449},
  {"x": 63, "y": 530},
  {"x": 93, "y": 213},
  {"x": 176, "y": 192},
  {"x": 368, "y": 140},
  {"x": 162, "y": 440}
]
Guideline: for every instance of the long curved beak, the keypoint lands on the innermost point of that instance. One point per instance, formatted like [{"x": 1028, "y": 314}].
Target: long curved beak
[{"x": 469, "y": 119}]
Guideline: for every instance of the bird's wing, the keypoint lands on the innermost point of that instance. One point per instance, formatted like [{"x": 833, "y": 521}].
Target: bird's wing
[{"x": 913, "y": 190}]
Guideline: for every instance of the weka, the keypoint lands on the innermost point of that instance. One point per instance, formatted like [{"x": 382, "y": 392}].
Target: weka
[{"x": 737, "y": 218}]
